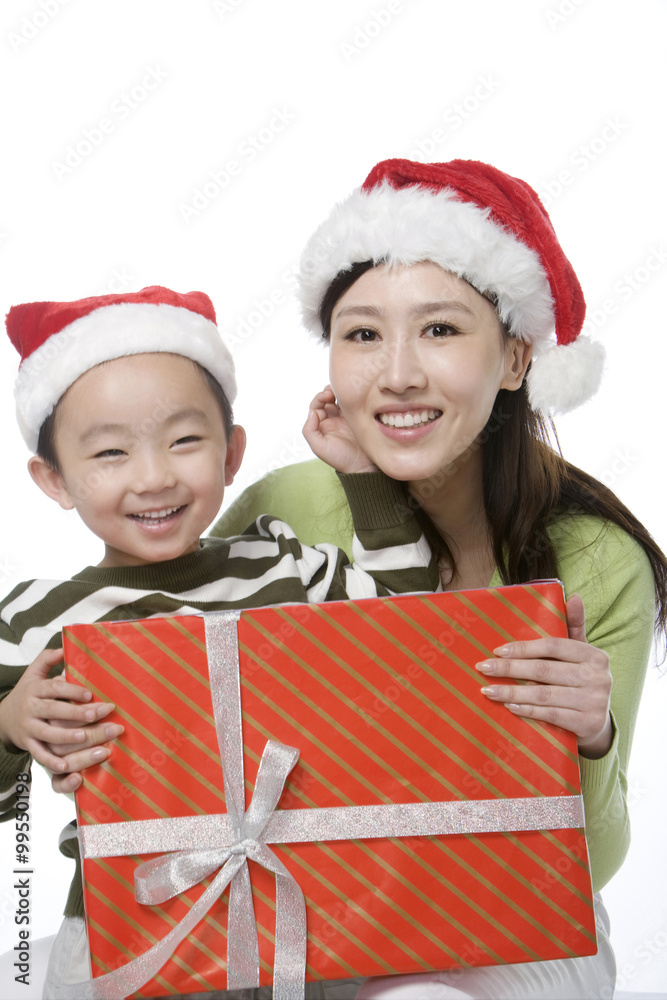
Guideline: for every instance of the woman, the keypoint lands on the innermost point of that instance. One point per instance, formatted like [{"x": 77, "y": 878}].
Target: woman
[{"x": 438, "y": 288}]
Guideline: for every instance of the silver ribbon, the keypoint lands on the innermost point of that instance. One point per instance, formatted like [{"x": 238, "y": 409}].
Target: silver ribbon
[{"x": 234, "y": 837}]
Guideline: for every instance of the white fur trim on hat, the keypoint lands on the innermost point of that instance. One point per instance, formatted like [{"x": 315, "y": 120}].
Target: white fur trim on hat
[
  {"x": 115, "y": 331},
  {"x": 410, "y": 225},
  {"x": 564, "y": 377}
]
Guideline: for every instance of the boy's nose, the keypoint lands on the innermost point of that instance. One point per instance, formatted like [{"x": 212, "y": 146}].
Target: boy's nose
[{"x": 154, "y": 474}]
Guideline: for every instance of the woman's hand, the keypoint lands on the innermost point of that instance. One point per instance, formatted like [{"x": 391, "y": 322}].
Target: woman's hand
[
  {"x": 328, "y": 434},
  {"x": 569, "y": 682}
]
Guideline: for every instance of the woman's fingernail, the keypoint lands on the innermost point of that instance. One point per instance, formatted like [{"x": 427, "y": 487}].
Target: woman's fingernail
[
  {"x": 101, "y": 753},
  {"x": 111, "y": 732},
  {"x": 491, "y": 692},
  {"x": 486, "y": 668},
  {"x": 503, "y": 650},
  {"x": 512, "y": 707}
]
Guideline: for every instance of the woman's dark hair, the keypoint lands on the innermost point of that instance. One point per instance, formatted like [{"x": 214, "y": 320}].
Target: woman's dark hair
[
  {"x": 526, "y": 484},
  {"x": 46, "y": 447}
]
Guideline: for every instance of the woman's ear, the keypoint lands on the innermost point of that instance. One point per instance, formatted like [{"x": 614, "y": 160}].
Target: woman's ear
[
  {"x": 235, "y": 451},
  {"x": 50, "y": 482},
  {"x": 517, "y": 358}
]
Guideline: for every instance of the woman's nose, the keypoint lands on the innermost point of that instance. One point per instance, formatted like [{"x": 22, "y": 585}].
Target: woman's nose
[{"x": 402, "y": 367}]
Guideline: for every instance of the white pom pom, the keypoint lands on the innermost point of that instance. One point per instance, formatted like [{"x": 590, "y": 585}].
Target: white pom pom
[{"x": 565, "y": 377}]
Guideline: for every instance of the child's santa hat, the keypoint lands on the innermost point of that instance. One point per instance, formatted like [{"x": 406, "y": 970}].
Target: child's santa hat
[
  {"x": 59, "y": 341},
  {"x": 484, "y": 226}
]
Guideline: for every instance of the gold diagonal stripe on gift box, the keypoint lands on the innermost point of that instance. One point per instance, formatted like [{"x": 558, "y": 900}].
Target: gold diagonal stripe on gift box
[
  {"x": 183, "y": 897},
  {"x": 311, "y": 905},
  {"x": 451, "y": 886},
  {"x": 115, "y": 809},
  {"x": 176, "y": 622},
  {"x": 270, "y": 903},
  {"x": 492, "y": 723},
  {"x": 371, "y": 921},
  {"x": 157, "y": 676},
  {"x": 393, "y": 707},
  {"x": 268, "y": 701},
  {"x": 387, "y": 900},
  {"x": 196, "y": 976},
  {"x": 527, "y": 884},
  {"x": 560, "y": 876},
  {"x": 389, "y": 736},
  {"x": 303, "y": 765},
  {"x": 462, "y": 599},
  {"x": 543, "y": 599},
  {"x": 157, "y": 776},
  {"x": 131, "y": 721},
  {"x": 505, "y": 897},
  {"x": 212, "y": 755},
  {"x": 136, "y": 792},
  {"x": 172, "y": 654},
  {"x": 572, "y": 855}
]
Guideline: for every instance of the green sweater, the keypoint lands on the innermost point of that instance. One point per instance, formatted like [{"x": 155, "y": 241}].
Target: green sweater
[{"x": 599, "y": 561}]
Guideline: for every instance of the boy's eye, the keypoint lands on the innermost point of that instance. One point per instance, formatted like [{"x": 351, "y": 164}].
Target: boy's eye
[
  {"x": 109, "y": 453},
  {"x": 188, "y": 439}
]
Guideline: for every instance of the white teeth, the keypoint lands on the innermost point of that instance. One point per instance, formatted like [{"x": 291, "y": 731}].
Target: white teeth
[
  {"x": 155, "y": 515},
  {"x": 408, "y": 419}
]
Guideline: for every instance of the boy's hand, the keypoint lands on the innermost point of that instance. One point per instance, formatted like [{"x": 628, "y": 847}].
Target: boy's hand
[
  {"x": 328, "y": 434},
  {"x": 39, "y": 714}
]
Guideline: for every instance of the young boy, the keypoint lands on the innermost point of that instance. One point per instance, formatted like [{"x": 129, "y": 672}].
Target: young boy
[{"x": 126, "y": 402}]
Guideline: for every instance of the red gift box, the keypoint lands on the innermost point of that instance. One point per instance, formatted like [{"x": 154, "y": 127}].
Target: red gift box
[{"x": 462, "y": 823}]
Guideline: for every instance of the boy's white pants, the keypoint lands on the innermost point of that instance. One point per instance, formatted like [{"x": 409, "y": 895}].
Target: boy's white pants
[{"x": 591, "y": 978}]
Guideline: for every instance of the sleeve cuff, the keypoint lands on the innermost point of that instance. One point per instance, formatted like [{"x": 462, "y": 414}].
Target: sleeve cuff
[
  {"x": 597, "y": 773},
  {"x": 375, "y": 500}
]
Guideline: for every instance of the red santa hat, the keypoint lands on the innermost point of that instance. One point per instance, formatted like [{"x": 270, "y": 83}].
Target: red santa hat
[
  {"x": 59, "y": 341},
  {"x": 484, "y": 226}
]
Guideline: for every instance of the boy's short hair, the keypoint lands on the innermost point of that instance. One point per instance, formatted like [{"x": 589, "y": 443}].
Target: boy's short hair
[{"x": 46, "y": 441}]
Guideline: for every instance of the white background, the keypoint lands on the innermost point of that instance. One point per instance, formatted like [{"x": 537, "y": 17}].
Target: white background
[{"x": 537, "y": 88}]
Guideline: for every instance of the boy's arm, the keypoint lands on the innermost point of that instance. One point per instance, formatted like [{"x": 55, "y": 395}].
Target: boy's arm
[{"x": 391, "y": 554}]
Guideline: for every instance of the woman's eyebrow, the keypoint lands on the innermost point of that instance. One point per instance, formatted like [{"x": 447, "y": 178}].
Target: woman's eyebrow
[
  {"x": 450, "y": 304},
  {"x": 418, "y": 310},
  {"x": 360, "y": 311}
]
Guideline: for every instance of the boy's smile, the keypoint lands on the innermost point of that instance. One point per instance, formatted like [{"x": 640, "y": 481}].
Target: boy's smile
[{"x": 143, "y": 456}]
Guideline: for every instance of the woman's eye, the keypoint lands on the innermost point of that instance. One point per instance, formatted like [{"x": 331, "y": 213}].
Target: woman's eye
[
  {"x": 440, "y": 330},
  {"x": 362, "y": 336}
]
